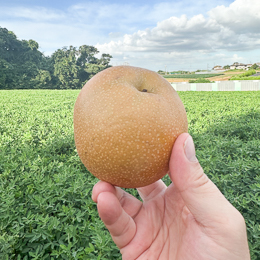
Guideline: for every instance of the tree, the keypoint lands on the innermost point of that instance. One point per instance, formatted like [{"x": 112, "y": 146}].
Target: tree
[
  {"x": 9, "y": 45},
  {"x": 65, "y": 67},
  {"x": 4, "y": 71},
  {"x": 161, "y": 72},
  {"x": 87, "y": 55},
  {"x": 105, "y": 59},
  {"x": 22, "y": 65},
  {"x": 254, "y": 67},
  {"x": 73, "y": 67},
  {"x": 42, "y": 80},
  {"x": 21, "y": 60},
  {"x": 90, "y": 65}
]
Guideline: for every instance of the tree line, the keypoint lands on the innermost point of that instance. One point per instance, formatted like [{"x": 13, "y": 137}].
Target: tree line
[{"x": 23, "y": 66}]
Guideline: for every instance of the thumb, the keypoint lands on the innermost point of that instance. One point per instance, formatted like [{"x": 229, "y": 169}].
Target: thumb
[{"x": 201, "y": 196}]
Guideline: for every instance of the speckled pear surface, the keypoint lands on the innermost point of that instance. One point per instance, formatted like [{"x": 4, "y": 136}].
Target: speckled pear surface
[{"x": 126, "y": 120}]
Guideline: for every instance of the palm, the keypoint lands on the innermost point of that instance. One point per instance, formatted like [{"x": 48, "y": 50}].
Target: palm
[
  {"x": 161, "y": 227},
  {"x": 164, "y": 228},
  {"x": 190, "y": 219}
]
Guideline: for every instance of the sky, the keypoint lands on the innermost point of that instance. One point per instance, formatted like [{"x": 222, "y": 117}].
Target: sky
[{"x": 157, "y": 35}]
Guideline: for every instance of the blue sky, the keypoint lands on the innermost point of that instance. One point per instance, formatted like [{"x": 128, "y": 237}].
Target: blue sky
[{"x": 177, "y": 35}]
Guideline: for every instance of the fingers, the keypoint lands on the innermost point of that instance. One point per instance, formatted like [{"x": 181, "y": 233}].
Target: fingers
[
  {"x": 200, "y": 195},
  {"x": 129, "y": 203},
  {"x": 120, "y": 225},
  {"x": 117, "y": 209},
  {"x": 151, "y": 191},
  {"x": 102, "y": 186}
]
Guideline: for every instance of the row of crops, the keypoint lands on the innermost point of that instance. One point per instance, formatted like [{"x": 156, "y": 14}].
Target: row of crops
[
  {"x": 193, "y": 76},
  {"x": 46, "y": 211},
  {"x": 248, "y": 75}
]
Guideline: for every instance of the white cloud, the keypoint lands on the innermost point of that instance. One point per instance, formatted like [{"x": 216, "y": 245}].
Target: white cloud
[
  {"x": 232, "y": 28},
  {"x": 114, "y": 35},
  {"x": 242, "y": 16},
  {"x": 148, "y": 35},
  {"x": 36, "y": 14},
  {"x": 236, "y": 58},
  {"x": 221, "y": 30}
]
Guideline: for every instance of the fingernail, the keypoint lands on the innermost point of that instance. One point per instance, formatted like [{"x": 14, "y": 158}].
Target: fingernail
[{"x": 189, "y": 149}]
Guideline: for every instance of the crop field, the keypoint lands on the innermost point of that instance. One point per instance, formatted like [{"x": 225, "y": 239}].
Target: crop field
[
  {"x": 46, "y": 211},
  {"x": 192, "y": 76},
  {"x": 227, "y": 75}
]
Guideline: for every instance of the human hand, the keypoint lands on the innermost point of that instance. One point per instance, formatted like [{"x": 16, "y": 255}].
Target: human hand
[{"x": 190, "y": 219}]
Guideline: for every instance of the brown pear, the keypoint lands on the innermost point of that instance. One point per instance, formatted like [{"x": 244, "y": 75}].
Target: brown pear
[{"x": 126, "y": 120}]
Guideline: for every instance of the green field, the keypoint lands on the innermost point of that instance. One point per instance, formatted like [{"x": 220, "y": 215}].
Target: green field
[
  {"x": 192, "y": 76},
  {"x": 46, "y": 211},
  {"x": 248, "y": 75}
]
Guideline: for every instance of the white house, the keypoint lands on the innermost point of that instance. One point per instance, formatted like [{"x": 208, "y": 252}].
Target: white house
[
  {"x": 240, "y": 66},
  {"x": 218, "y": 67}
]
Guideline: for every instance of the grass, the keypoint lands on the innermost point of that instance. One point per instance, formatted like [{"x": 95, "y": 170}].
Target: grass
[{"x": 46, "y": 211}]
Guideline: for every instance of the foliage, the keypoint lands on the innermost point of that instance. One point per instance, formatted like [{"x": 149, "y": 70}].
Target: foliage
[
  {"x": 235, "y": 70},
  {"x": 193, "y": 76},
  {"x": 254, "y": 67},
  {"x": 23, "y": 66},
  {"x": 161, "y": 72},
  {"x": 245, "y": 76},
  {"x": 226, "y": 67},
  {"x": 73, "y": 67},
  {"x": 226, "y": 131},
  {"x": 19, "y": 61},
  {"x": 46, "y": 211},
  {"x": 66, "y": 68},
  {"x": 248, "y": 73},
  {"x": 199, "y": 80}
]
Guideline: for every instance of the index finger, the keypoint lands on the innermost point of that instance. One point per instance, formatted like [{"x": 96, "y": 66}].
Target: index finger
[
  {"x": 128, "y": 202},
  {"x": 120, "y": 225}
]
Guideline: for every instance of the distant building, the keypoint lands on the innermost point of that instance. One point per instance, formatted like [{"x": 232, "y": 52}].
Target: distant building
[
  {"x": 240, "y": 66},
  {"x": 218, "y": 67}
]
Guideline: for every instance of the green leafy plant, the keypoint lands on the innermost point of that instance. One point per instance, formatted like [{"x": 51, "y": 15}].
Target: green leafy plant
[
  {"x": 199, "y": 80},
  {"x": 193, "y": 76},
  {"x": 246, "y": 76},
  {"x": 46, "y": 211}
]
